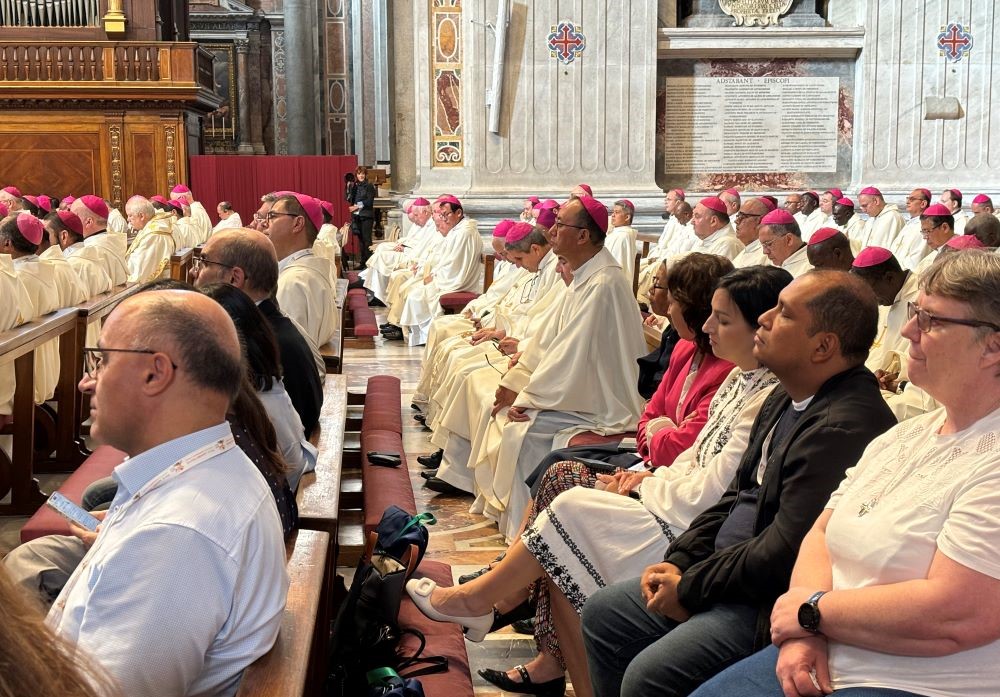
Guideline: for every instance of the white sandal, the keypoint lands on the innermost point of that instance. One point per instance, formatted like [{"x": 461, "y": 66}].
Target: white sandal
[{"x": 420, "y": 589}]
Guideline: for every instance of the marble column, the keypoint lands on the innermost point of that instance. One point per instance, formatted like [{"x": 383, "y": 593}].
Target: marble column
[
  {"x": 299, "y": 77},
  {"x": 243, "y": 95},
  {"x": 256, "y": 119},
  {"x": 402, "y": 92}
]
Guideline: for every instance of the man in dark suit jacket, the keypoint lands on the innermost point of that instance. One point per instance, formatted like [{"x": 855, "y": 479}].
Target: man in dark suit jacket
[
  {"x": 246, "y": 259},
  {"x": 707, "y": 605}
]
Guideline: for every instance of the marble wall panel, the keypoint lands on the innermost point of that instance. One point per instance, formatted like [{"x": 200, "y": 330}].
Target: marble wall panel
[
  {"x": 336, "y": 102},
  {"x": 446, "y": 79},
  {"x": 278, "y": 94}
]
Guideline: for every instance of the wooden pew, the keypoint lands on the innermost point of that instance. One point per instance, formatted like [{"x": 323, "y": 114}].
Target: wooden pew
[
  {"x": 647, "y": 239},
  {"x": 296, "y": 664},
  {"x": 489, "y": 260},
  {"x": 180, "y": 264},
  {"x": 18, "y": 346}
]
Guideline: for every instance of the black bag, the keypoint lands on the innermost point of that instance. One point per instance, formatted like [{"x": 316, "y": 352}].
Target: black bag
[{"x": 398, "y": 530}]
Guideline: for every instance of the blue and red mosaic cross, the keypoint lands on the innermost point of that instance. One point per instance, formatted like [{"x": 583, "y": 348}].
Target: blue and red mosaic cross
[
  {"x": 566, "y": 41},
  {"x": 954, "y": 42}
]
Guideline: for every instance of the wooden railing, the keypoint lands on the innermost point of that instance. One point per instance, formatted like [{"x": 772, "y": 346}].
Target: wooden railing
[{"x": 150, "y": 63}]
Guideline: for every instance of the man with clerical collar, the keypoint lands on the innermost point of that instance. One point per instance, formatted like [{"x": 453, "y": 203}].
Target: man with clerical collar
[
  {"x": 826, "y": 201},
  {"x": 814, "y": 215},
  {"x": 200, "y": 223},
  {"x": 305, "y": 292},
  {"x": 830, "y": 249},
  {"x": 793, "y": 204},
  {"x": 884, "y": 220},
  {"x": 782, "y": 244},
  {"x": 747, "y": 222},
  {"x": 581, "y": 190},
  {"x": 982, "y": 204},
  {"x": 712, "y": 228},
  {"x": 620, "y": 240},
  {"x": 93, "y": 214},
  {"x": 952, "y": 200},
  {"x": 10, "y": 196},
  {"x": 388, "y": 257},
  {"x": 910, "y": 247},
  {"x": 731, "y": 197},
  {"x": 192, "y": 537},
  {"x": 246, "y": 259},
  {"x": 937, "y": 225},
  {"x": 849, "y": 222},
  {"x": 148, "y": 257}
]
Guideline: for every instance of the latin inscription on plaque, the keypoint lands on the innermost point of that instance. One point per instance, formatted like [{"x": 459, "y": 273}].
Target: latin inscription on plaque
[
  {"x": 751, "y": 124},
  {"x": 753, "y": 12}
]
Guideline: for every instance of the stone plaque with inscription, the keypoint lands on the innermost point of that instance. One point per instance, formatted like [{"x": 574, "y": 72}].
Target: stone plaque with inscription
[
  {"x": 751, "y": 124},
  {"x": 755, "y": 12}
]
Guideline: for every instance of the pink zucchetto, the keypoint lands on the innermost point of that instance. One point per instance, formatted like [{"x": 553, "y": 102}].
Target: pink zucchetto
[
  {"x": 955, "y": 192},
  {"x": 180, "y": 189},
  {"x": 68, "y": 201},
  {"x": 586, "y": 187},
  {"x": 713, "y": 203},
  {"x": 548, "y": 204},
  {"x": 420, "y": 202},
  {"x": 178, "y": 208},
  {"x": 964, "y": 242},
  {"x": 629, "y": 203},
  {"x": 448, "y": 198},
  {"x": 518, "y": 231},
  {"x": 31, "y": 228},
  {"x": 778, "y": 216},
  {"x": 731, "y": 192},
  {"x": 927, "y": 194},
  {"x": 33, "y": 200},
  {"x": 871, "y": 256},
  {"x": 45, "y": 203},
  {"x": 71, "y": 221},
  {"x": 312, "y": 208},
  {"x": 502, "y": 228},
  {"x": 837, "y": 193},
  {"x": 546, "y": 218},
  {"x": 768, "y": 204},
  {"x": 96, "y": 205},
  {"x": 823, "y": 234},
  {"x": 597, "y": 211},
  {"x": 844, "y": 201},
  {"x": 13, "y": 191},
  {"x": 870, "y": 191},
  {"x": 937, "y": 209},
  {"x": 981, "y": 198},
  {"x": 160, "y": 199},
  {"x": 328, "y": 207},
  {"x": 679, "y": 192},
  {"x": 533, "y": 200}
]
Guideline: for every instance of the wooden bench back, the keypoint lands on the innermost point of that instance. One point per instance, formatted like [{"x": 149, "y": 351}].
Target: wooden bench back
[
  {"x": 489, "y": 260},
  {"x": 180, "y": 264}
]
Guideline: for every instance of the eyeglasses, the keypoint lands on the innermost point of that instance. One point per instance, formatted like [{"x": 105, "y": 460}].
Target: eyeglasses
[
  {"x": 741, "y": 216},
  {"x": 93, "y": 359},
  {"x": 926, "y": 320},
  {"x": 766, "y": 246},
  {"x": 198, "y": 261},
  {"x": 656, "y": 287},
  {"x": 910, "y": 199},
  {"x": 559, "y": 223},
  {"x": 271, "y": 215}
]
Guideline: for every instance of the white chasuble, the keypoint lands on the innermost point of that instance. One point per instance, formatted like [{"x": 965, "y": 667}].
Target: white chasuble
[
  {"x": 148, "y": 257},
  {"x": 306, "y": 295},
  {"x": 110, "y": 247},
  {"x": 620, "y": 241},
  {"x": 201, "y": 222},
  {"x": 881, "y": 230}
]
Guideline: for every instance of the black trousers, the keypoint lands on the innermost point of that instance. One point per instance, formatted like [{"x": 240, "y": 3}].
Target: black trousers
[{"x": 364, "y": 227}]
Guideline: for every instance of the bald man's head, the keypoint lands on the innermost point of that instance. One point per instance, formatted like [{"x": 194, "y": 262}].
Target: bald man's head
[{"x": 244, "y": 258}]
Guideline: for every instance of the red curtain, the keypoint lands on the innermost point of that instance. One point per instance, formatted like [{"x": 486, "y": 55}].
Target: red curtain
[{"x": 243, "y": 179}]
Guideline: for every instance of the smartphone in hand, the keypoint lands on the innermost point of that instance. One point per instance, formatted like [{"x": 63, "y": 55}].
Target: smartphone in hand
[{"x": 72, "y": 512}]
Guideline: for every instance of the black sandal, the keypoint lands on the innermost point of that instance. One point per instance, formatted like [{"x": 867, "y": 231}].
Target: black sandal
[
  {"x": 552, "y": 688},
  {"x": 521, "y": 612}
]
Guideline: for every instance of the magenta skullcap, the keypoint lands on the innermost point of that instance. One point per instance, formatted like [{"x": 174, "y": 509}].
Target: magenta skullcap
[
  {"x": 68, "y": 201},
  {"x": 586, "y": 187},
  {"x": 448, "y": 198},
  {"x": 518, "y": 231},
  {"x": 421, "y": 202},
  {"x": 71, "y": 221},
  {"x": 32, "y": 199},
  {"x": 767, "y": 203},
  {"x": 937, "y": 209},
  {"x": 630, "y": 204},
  {"x": 534, "y": 200},
  {"x": 679, "y": 192},
  {"x": 713, "y": 203},
  {"x": 31, "y": 228},
  {"x": 160, "y": 199},
  {"x": 964, "y": 242},
  {"x": 844, "y": 201},
  {"x": 176, "y": 205},
  {"x": 981, "y": 198},
  {"x": 779, "y": 216},
  {"x": 13, "y": 191},
  {"x": 548, "y": 204},
  {"x": 96, "y": 205},
  {"x": 871, "y": 191},
  {"x": 837, "y": 193},
  {"x": 312, "y": 208},
  {"x": 279, "y": 194},
  {"x": 45, "y": 203},
  {"x": 872, "y": 256},
  {"x": 927, "y": 193},
  {"x": 502, "y": 228},
  {"x": 597, "y": 211},
  {"x": 328, "y": 207},
  {"x": 955, "y": 192},
  {"x": 4, "y": 211},
  {"x": 180, "y": 189},
  {"x": 732, "y": 192},
  {"x": 546, "y": 217},
  {"x": 823, "y": 234}
]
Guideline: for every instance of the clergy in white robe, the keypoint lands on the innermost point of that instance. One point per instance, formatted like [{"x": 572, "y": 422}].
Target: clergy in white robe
[
  {"x": 117, "y": 223},
  {"x": 747, "y": 224},
  {"x": 228, "y": 218},
  {"x": 65, "y": 232},
  {"x": 578, "y": 374},
  {"x": 199, "y": 216},
  {"x": 388, "y": 257},
  {"x": 109, "y": 246},
  {"x": 457, "y": 270},
  {"x": 814, "y": 216},
  {"x": 17, "y": 307},
  {"x": 148, "y": 257},
  {"x": 884, "y": 220},
  {"x": 952, "y": 200},
  {"x": 830, "y": 249},
  {"x": 936, "y": 226},
  {"x": 779, "y": 236},
  {"x": 20, "y": 236},
  {"x": 677, "y": 238},
  {"x": 713, "y": 229},
  {"x": 305, "y": 292},
  {"x": 621, "y": 238}
]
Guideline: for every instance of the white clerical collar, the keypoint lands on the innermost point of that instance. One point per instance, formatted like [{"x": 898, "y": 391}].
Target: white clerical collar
[
  {"x": 25, "y": 259},
  {"x": 593, "y": 265},
  {"x": 295, "y": 256},
  {"x": 718, "y": 234}
]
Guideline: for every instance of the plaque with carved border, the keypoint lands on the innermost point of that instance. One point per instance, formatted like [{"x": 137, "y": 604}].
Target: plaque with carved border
[{"x": 446, "y": 83}]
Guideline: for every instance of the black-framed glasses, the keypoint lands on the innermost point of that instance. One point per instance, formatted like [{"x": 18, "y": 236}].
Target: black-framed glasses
[
  {"x": 271, "y": 215},
  {"x": 559, "y": 223},
  {"x": 926, "y": 320},
  {"x": 198, "y": 260},
  {"x": 741, "y": 216},
  {"x": 93, "y": 358}
]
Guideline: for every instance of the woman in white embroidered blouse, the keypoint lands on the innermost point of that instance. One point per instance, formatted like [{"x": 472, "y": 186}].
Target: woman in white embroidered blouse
[
  {"x": 896, "y": 590},
  {"x": 588, "y": 538}
]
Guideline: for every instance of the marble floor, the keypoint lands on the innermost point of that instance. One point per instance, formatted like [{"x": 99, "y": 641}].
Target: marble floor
[{"x": 464, "y": 540}]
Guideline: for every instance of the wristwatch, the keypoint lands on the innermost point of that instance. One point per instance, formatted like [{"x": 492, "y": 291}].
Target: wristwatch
[{"x": 809, "y": 617}]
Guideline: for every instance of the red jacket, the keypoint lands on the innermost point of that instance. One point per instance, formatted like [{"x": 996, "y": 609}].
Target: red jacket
[{"x": 668, "y": 443}]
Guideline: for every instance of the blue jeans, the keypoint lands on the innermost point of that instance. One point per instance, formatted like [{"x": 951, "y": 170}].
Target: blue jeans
[
  {"x": 636, "y": 653},
  {"x": 754, "y": 677}
]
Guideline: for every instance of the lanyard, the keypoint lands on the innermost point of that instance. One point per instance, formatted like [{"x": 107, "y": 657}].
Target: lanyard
[{"x": 206, "y": 452}]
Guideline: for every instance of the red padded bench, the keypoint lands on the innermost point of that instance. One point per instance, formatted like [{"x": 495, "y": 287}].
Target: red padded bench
[
  {"x": 381, "y": 430},
  {"x": 453, "y": 303},
  {"x": 99, "y": 465}
]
